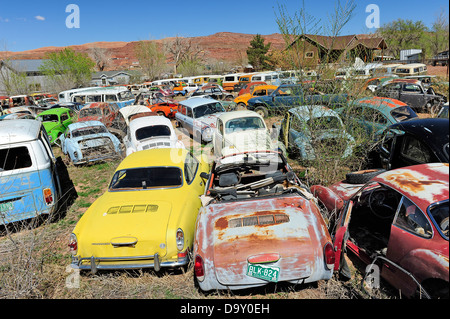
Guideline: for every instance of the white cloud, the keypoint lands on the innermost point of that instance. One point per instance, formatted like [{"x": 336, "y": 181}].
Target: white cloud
[{"x": 40, "y": 18}]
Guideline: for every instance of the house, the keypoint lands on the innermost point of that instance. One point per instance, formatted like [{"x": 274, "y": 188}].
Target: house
[
  {"x": 106, "y": 78},
  {"x": 411, "y": 55},
  {"x": 440, "y": 58},
  {"x": 311, "y": 50},
  {"x": 22, "y": 77}
]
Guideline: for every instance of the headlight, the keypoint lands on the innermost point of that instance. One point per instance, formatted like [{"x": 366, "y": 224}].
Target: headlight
[
  {"x": 73, "y": 244},
  {"x": 207, "y": 133},
  {"x": 180, "y": 239}
]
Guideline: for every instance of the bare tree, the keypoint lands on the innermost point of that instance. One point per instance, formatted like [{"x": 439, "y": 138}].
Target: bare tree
[
  {"x": 181, "y": 50},
  {"x": 101, "y": 57},
  {"x": 151, "y": 59}
]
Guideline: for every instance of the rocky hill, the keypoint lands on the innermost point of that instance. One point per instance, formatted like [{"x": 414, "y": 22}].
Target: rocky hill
[{"x": 223, "y": 46}]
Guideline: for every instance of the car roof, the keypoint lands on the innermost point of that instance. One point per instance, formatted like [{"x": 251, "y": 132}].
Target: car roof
[
  {"x": 19, "y": 130},
  {"x": 434, "y": 131},
  {"x": 155, "y": 157},
  {"x": 149, "y": 121},
  {"x": 237, "y": 114},
  {"x": 307, "y": 111},
  {"x": 424, "y": 184},
  {"x": 77, "y": 125},
  {"x": 380, "y": 102},
  {"x": 197, "y": 101},
  {"x": 57, "y": 110}
]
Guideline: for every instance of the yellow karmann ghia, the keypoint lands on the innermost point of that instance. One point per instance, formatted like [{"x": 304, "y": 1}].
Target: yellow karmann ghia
[{"x": 146, "y": 218}]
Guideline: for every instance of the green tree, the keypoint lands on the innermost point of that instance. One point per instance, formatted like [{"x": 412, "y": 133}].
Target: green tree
[
  {"x": 151, "y": 59},
  {"x": 67, "y": 69},
  {"x": 403, "y": 34},
  {"x": 257, "y": 53}
]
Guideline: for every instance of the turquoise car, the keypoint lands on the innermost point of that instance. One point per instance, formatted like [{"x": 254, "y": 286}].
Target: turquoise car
[
  {"x": 56, "y": 121},
  {"x": 372, "y": 115}
]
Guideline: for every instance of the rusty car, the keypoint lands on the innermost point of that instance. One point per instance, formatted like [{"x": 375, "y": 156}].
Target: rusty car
[
  {"x": 108, "y": 114},
  {"x": 259, "y": 224},
  {"x": 88, "y": 142},
  {"x": 397, "y": 221}
]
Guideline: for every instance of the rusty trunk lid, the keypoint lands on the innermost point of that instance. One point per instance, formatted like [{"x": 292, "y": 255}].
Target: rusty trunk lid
[{"x": 257, "y": 231}]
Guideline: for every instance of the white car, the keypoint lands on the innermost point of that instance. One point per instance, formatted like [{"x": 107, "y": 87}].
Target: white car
[
  {"x": 198, "y": 116},
  {"x": 146, "y": 132},
  {"x": 131, "y": 110},
  {"x": 242, "y": 131}
]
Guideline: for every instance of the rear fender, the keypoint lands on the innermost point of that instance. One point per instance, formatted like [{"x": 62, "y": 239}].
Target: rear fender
[{"x": 328, "y": 198}]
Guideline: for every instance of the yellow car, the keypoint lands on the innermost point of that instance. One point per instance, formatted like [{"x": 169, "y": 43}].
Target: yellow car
[
  {"x": 146, "y": 219},
  {"x": 259, "y": 90}
]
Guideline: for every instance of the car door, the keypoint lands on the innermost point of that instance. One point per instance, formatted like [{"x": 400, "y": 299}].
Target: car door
[
  {"x": 413, "y": 95},
  {"x": 219, "y": 137},
  {"x": 340, "y": 235},
  {"x": 189, "y": 120}
]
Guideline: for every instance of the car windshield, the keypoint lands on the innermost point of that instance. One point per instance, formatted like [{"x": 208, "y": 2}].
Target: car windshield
[
  {"x": 152, "y": 131},
  {"x": 90, "y": 112},
  {"x": 89, "y": 131},
  {"x": 207, "y": 109},
  {"x": 243, "y": 124},
  {"x": 125, "y": 95},
  {"x": 440, "y": 215},
  {"x": 403, "y": 113},
  {"x": 49, "y": 118},
  {"x": 324, "y": 123},
  {"x": 146, "y": 177}
]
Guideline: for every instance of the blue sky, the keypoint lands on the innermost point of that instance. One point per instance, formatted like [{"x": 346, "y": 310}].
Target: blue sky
[{"x": 26, "y": 25}]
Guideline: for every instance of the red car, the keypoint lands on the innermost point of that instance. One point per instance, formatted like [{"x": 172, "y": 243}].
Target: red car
[
  {"x": 107, "y": 113},
  {"x": 248, "y": 88},
  {"x": 166, "y": 108},
  {"x": 398, "y": 221}
]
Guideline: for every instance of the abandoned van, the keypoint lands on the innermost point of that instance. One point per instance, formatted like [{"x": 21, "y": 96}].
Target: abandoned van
[
  {"x": 29, "y": 182},
  {"x": 411, "y": 69}
]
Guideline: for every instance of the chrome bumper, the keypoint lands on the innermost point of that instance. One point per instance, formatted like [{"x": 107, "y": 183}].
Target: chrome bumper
[{"x": 96, "y": 263}]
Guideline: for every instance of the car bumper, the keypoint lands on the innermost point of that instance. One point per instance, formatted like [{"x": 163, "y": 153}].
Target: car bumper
[{"x": 131, "y": 262}]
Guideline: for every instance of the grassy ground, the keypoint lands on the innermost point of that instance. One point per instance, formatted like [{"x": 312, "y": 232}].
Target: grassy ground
[{"x": 34, "y": 261}]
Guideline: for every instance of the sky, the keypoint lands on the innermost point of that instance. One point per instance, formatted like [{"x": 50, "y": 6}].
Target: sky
[{"x": 26, "y": 25}]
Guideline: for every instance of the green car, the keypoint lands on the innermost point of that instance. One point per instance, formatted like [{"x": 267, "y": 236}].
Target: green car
[{"x": 56, "y": 121}]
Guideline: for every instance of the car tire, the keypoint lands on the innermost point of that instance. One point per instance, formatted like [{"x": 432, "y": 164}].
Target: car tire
[
  {"x": 261, "y": 110},
  {"x": 361, "y": 177},
  {"x": 241, "y": 106}
]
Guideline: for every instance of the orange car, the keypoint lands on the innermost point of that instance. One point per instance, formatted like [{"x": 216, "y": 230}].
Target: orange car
[
  {"x": 258, "y": 90},
  {"x": 247, "y": 88}
]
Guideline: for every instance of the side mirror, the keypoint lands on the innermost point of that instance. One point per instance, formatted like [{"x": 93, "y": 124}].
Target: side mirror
[{"x": 204, "y": 175}]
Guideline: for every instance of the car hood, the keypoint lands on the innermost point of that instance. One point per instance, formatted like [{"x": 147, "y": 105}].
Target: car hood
[
  {"x": 207, "y": 120},
  {"x": 137, "y": 217},
  {"x": 50, "y": 125},
  {"x": 251, "y": 140},
  {"x": 247, "y": 231}
]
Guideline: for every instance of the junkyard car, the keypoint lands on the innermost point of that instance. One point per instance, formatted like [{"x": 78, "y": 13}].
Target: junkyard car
[
  {"x": 89, "y": 141},
  {"x": 443, "y": 112},
  {"x": 29, "y": 177},
  {"x": 242, "y": 131},
  {"x": 414, "y": 142},
  {"x": 412, "y": 93},
  {"x": 397, "y": 221},
  {"x": 148, "y": 132},
  {"x": 108, "y": 114},
  {"x": 212, "y": 91},
  {"x": 248, "y": 87},
  {"x": 56, "y": 121},
  {"x": 131, "y": 110},
  {"x": 147, "y": 216},
  {"x": 198, "y": 116},
  {"x": 372, "y": 115},
  {"x": 259, "y": 90},
  {"x": 259, "y": 224},
  {"x": 312, "y": 129}
]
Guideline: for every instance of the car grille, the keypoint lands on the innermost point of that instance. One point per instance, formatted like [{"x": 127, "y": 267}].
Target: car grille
[
  {"x": 132, "y": 209},
  {"x": 154, "y": 145},
  {"x": 259, "y": 220}
]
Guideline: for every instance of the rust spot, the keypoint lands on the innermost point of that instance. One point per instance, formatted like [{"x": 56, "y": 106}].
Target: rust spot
[
  {"x": 408, "y": 181},
  {"x": 221, "y": 223}
]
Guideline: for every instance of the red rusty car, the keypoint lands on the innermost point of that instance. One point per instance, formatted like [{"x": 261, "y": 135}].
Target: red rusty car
[
  {"x": 108, "y": 114},
  {"x": 258, "y": 224},
  {"x": 397, "y": 221}
]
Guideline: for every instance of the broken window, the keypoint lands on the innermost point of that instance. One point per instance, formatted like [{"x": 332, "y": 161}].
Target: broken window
[
  {"x": 411, "y": 218},
  {"x": 14, "y": 158}
]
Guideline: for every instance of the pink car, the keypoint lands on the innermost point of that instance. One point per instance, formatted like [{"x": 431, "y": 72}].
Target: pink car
[{"x": 397, "y": 221}]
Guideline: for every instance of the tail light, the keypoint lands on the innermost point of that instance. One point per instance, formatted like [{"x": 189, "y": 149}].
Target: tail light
[
  {"x": 329, "y": 255},
  {"x": 48, "y": 196},
  {"x": 180, "y": 239},
  {"x": 73, "y": 244},
  {"x": 199, "y": 270}
]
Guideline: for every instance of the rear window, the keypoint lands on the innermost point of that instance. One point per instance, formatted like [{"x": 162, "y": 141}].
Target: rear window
[
  {"x": 152, "y": 131},
  {"x": 146, "y": 177},
  {"x": 14, "y": 158},
  {"x": 403, "y": 113}
]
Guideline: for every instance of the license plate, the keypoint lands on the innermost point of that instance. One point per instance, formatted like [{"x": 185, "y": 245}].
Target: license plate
[{"x": 263, "y": 272}]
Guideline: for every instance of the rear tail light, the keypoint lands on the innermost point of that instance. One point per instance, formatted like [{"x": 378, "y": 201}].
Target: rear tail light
[
  {"x": 48, "y": 196},
  {"x": 329, "y": 255},
  {"x": 180, "y": 239},
  {"x": 73, "y": 244},
  {"x": 199, "y": 270}
]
